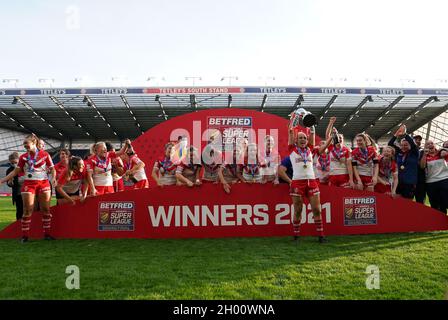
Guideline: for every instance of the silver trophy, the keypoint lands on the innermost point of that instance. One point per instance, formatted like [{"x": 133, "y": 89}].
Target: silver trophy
[{"x": 303, "y": 118}]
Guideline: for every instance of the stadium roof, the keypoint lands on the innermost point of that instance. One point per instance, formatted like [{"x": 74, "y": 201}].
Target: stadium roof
[{"x": 108, "y": 113}]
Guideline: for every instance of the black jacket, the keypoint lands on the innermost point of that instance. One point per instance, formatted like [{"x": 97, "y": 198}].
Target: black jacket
[{"x": 15, "y": 185}]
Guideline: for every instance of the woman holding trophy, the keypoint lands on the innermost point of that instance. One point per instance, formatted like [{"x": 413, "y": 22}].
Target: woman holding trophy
[
  {"x": 304, "y": 184},
  {"x": 135, "y": 169}
]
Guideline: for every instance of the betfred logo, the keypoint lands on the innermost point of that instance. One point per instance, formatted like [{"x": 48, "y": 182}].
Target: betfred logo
[
  {"x": 360, "y": 211},
  {"x": 116, "y": 216},
  {"x": 229, "y": 122},
  {"x": 116, "y": 205}
]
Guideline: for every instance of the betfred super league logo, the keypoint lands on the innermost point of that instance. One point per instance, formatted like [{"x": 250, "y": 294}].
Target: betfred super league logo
[
  {"x": 360, "y": 211},
  {"x": 116, "y": 215}
]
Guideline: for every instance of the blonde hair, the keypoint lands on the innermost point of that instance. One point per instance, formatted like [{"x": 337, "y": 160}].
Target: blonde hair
[
  {"x": 371, "y": 141},
  {"x": 392, "y": 150},
  {"x": 269, "y": 138},
  {"x": 96, "y": 145},
  {"x": 301, "y": 133}
]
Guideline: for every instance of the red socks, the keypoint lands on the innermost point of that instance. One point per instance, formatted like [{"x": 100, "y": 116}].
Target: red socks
[
  {"x": 46, "y": 222},
  {"x": 296, "y": 226},
  {"x": 26, "y": 222},
  {"x": 319, "y": 226}
]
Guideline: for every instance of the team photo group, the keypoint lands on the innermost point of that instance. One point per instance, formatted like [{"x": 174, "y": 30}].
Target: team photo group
[{"x": 402, "y": 168}]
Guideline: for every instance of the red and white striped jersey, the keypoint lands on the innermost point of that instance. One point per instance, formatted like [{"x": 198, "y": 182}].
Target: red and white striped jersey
[
  {"x": 189, "y": 170},
  {"x": 271, "y": 160},
  {"x": 321, "y": 164},
  {"x": 133, "y": 161},
  {"x": 338, "y": 160},
  {"x": 365, "y": 160},
  {"x": 35, "y": 167},
  {"x": 167, "y": 169},
  {"x": 387, "y": 169},
  {"x": 211, "y": 167},
  {"x": 101, "y": 169},
  {"x": 302, "y": 163},
  {"x": 252, "y": 171}
]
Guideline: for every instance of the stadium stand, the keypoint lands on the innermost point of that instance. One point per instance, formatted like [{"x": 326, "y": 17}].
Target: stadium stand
[{"x": 77, "y": 117}]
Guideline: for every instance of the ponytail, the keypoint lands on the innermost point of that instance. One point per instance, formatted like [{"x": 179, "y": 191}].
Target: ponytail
[{"x": 371, "y": 141}]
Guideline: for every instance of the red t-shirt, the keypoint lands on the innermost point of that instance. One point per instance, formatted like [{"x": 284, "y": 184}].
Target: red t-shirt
[
  {"x": 60, "y": 167},
  {"x": 73, "y": 185}
]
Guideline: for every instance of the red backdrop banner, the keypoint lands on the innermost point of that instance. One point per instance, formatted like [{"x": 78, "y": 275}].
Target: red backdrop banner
[
  {"x": 150, "y": 146},
  {"x": 207, "y": 211},
  {"x": 249, "y": 211}
]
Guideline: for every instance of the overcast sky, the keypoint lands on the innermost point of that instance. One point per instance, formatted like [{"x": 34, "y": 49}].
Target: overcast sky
[{"x": 256, "y": 40}]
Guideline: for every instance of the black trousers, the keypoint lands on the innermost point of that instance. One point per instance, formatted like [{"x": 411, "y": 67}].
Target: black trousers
[
  {"x": 18, "y": 202},
  {"x": 406, "y": 190},
  {"x": 420, "y": 192},
  {"x": 438, "y": 195}
]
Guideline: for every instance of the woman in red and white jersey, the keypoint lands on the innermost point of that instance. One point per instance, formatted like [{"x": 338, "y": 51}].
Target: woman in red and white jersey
[
  {"x": 117, "y": 169},
  {"x": 70, "y": 182},
  {"x": 341, "y": 170},
  {"x": 304, "y": 184},
  {"x": 99, "y": 168},
  {"x": 62, "y": 165},
  {"x": 164, "y": 170},
  {"x": 387, "y": 172},
  {"x": 435, "y": 164},
  {"x": 34, "y": 163},
  {"x": 365, "y": 163},
  {"x": 117, "y": 173},
  {"x": 251, "y": 168},
  {"x": 321, "y": 163},
  {"x": 87, "y": 157},
  {"x": 230, "y": 171},
  {"x": 270, "y": 159},
  {"x": 211, "y": 161},
  {"x": 188, "y": 171},
  {"x": 135, "y": 170}
]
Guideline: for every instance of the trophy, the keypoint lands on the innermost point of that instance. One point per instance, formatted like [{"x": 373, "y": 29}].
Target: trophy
[{"x": 301, "y": 117}]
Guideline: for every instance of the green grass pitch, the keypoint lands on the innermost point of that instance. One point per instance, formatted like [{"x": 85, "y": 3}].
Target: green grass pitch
[{"x": 411, "y": 266}]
